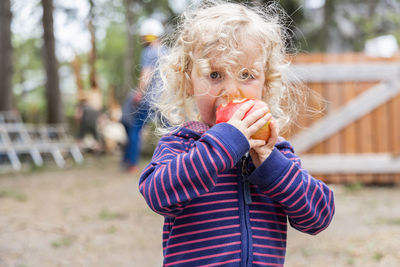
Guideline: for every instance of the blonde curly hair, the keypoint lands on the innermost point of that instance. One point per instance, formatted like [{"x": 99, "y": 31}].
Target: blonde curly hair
[{"x": 222, "y": 26}]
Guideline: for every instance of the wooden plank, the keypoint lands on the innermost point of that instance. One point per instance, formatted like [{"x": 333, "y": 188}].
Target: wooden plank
[
  {"x": 318, "y": 89},
  {"x": 334, "y": 95},
  {"x": 22, "y": 145},
  {"x": 60, "y": 142},
  {"x": 383, "y": 128},
  {"x": 365, "y": 138},
  {"x": 364, "y": 126},
  {"x": 358, "y": 178},
  {"x": 10, "y": 117},
  {"x": 328, "y": 110},
  {"x": 350, "y": 132},
  {"x": 36, "y": 140},
  {"x": 395, "y": 122},
  {"x": 371, "y": 132},
  {"x": 350, "y": 112},
  {"x": 394, "y": 133},
  {"x": 356, "y": 56},
  {"x": 302, "y": 119},
  {"x": 378, "y": 163},
  {"x": 336, "y": 72},
  {"x": 381, "y": 124}
]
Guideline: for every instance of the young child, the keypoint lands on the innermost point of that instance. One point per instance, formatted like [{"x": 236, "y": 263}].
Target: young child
[{"x": 226, "y": 198}]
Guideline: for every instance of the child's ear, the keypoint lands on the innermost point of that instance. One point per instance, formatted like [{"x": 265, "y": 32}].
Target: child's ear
[
  {"x": 264, "y": 91},
  {"x": 189, "y": 90},
  {"x": 187, "y": 83}
]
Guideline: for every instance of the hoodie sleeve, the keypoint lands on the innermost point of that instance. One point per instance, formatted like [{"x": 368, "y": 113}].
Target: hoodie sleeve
[
  {"x": 308, "y": 202},
  {"x": 183, "y": 168}
]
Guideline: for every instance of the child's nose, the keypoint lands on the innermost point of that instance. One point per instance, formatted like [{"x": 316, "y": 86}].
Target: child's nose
[{"x": 232, "y": 90}]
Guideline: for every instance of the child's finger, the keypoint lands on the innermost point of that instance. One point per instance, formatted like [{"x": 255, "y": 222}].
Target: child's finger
[
  {"x": 259, "y": 154},
  {"x": 260, "y": 123},
  {"x": 242, "y": 110},
  {"x": 255, "y": 116},
  {"x": 273, "y": 139},
  {"x": 256, "y": 143}
]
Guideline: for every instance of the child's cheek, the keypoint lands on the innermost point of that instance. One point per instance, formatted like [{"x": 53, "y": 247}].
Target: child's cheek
[{"x": 252, "y": 94}]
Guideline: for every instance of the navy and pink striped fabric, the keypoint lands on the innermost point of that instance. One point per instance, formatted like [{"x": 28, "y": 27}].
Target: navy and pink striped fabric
[{"x": 195, "y": 180}]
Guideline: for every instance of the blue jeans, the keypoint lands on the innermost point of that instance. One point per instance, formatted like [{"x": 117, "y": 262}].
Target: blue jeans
[{"x": 132, "y": 148}]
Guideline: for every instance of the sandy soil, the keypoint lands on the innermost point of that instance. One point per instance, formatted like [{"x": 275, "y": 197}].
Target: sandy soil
[{"x": 93, "y": 215}]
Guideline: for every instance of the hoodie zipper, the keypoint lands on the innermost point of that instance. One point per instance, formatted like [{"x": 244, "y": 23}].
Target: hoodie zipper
[
  {"x": 246, "y": 200},
  {"x": 246, "y": 183}
]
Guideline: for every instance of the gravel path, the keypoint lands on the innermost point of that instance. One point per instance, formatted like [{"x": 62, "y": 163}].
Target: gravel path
[{"x": 94, "y": 216}]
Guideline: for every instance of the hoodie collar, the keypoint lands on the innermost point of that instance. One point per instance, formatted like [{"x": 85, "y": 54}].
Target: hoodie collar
[{"x": 196, "y": 126}]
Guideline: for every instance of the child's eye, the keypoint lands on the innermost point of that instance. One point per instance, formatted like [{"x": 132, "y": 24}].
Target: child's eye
[
  {"x": 215, "y": 75},
  {"x": 246, "y": 75}
]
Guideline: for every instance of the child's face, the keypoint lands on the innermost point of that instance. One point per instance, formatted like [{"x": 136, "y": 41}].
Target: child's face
[{"x": 246, "y": 80}]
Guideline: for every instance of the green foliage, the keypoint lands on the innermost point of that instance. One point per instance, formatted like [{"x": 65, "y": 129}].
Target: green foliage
[
  {"x": 373, "y": 26},
  {"x": 106, "y": 215},
  {"x": 29, "y": 78},
  {"x": 27, "y": 56},
  {"x": 62, "y": 242},
  {"x": 378, "y": 256},
  {"x": 155, "y": 6},
  {"x": 366, "y": 20},
  {"x": 111, "y": 49},
  {"x": 349, "y": 24},
  {"x": 111, "y": 230},
  {"x": 389, "y": 221},
  {"x": 354, "y": 187},
  {"x": 11, "y": 193},
  {"x": 32, "y": 105},
  {"x": 111, "y": 55}
]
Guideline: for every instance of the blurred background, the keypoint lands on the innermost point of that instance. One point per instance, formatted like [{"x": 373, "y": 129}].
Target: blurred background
[
  {"x": 64, "y": 199},
  {"x": 105, "y": 34}
]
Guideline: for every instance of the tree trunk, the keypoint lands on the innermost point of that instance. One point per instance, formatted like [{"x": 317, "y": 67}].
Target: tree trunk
[
  {"x": 129, "y": 49},
  {"x": 92, "y": 58},
  {"x": 94, "y": 96},
  {"x": 6, "y": 63},
  {"x": 76, "y": 66},
  {"x": 329, "y": 26},
  {"x": 53, "y": 94},
  {"x": 92, "y": 55}
]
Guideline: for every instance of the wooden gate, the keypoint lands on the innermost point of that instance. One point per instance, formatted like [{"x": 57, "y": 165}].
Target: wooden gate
[{"x": 357, "y": 137}]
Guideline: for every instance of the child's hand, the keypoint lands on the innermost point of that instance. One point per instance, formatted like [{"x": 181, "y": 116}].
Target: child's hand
[
  {"x": 261, "y": 152},
  {"x": 251, "y": 123}
]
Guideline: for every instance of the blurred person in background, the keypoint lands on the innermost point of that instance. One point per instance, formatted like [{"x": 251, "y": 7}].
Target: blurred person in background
[
  {"x": 136, "y": 108},
  {"x": 87, "y": 117}
]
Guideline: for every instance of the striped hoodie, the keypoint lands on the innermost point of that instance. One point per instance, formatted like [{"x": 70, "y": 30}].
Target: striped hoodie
[{"x": 219, "y": 210}]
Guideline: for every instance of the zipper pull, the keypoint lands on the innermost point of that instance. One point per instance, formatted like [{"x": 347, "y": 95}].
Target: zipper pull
[
  {"x": 247, "y": 194},
  {"x": 245, "y": 182}
]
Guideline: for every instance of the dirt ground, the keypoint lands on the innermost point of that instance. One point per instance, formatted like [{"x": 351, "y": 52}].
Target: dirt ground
[{"x": 93, "y": 215}]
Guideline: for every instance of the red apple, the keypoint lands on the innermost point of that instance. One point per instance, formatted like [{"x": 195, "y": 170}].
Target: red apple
[{"x": 225, "y": 111}]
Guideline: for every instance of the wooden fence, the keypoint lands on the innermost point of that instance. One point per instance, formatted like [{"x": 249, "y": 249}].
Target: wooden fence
[{"x": 356, "y": 138}]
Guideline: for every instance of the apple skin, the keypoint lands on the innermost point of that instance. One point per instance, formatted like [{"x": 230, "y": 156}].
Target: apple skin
[{"x": 225, "y": 111}]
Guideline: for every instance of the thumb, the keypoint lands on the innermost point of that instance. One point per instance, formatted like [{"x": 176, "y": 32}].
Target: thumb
[{"x": 256, "y": 143}]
